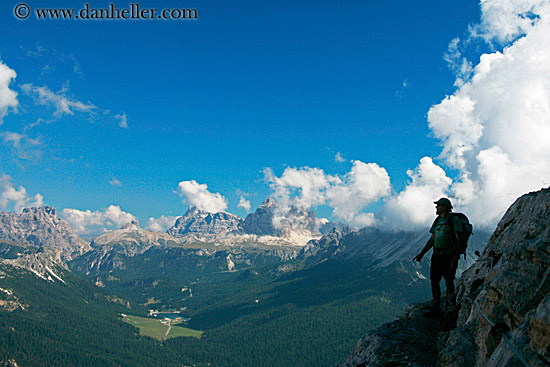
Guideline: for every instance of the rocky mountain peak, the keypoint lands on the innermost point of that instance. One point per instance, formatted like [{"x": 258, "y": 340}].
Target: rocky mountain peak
[
  {"x": 501, "y": 315},
  {"x": 133, "y": 225},
  {"x": 46, "y": 211},
  {"x": 268, "y": 203},
  {"x": 42, "y": 228},
  {"x": 196, "y": 221}
]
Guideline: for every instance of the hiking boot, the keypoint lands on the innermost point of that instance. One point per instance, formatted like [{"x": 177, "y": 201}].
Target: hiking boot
[{"x": 434, "y": 313}]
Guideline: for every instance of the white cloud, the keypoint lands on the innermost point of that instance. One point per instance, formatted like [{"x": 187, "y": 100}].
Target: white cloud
[
  {"x": 198, "y": 195},
  {"x": 347, "y": 195},
  {"x": 8, "y": 98},
  {"x": 457, "y": 62},
  {"x": 122, "y": 120},
  {"x": 24, "y": 146},
  {"x": 16, "y": 198},
  {"x": 62, "y": 104},
  {"x": 338, "y": 158},
  {"x": 506, "y": 20},
  {"x": 245, "y": 204},
  {"x": 495, "y": 127},
  {"x": 115, "y": 182},
  {"x": 162, "y": 223},
  {"x": 414, "y": 205},
  {"x": 94, "y": 223}
]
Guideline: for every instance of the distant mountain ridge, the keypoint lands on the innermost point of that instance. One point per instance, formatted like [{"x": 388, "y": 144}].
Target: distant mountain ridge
[{"x": 200, "y": 222}]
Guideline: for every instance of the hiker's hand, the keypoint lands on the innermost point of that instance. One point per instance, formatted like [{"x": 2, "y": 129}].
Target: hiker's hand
[{"x": 418, "y": 257}]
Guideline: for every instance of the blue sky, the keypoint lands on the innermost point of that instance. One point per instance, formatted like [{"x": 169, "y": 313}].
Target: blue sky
[{"x": 119, "y": 112}]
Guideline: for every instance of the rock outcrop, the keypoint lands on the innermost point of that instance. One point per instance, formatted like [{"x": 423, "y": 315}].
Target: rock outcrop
[
  {"x": 109, "y": 249},
  {"x": 132, "y": 239},
  {"x": 43, "y": 229},
  {"x": 501, "y": 316},
  {"x": 196, "y": 221}
]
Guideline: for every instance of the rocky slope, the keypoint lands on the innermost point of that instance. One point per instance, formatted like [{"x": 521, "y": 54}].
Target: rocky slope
[
  {"x": 43, "y": 229},
  {"x": 199, "y": 222},
  {"x": 39, "y": 241},
  {"x": 502, "y": 312},
  {"x": 110, "y": 249}
]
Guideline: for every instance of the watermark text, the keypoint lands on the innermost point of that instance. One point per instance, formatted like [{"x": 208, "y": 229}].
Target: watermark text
[{"x": 87, "y": 12}]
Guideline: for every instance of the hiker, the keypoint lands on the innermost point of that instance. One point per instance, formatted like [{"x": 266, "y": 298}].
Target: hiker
[{"x": 444, "y": 239}]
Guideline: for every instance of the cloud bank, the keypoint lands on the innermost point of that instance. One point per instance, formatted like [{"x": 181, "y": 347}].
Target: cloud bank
[
  {"x": 495, "y": 128},
  {"x": 347, "y": 195},
  {"x": 196, "y": 194},
  {"x": 90, "y": 224}
]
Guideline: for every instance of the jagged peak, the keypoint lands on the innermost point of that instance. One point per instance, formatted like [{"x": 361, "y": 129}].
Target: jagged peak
[
  {"x": 131, "y": 225},
  {"x": 48, "y": 210},
  {"x": 268, "y": 203}
]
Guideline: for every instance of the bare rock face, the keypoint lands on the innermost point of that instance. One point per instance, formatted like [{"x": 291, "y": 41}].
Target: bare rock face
[
  {"x": 131, "y": 239},
  {"x": 128, "y": 241},
  {"x": 261, "y": 221},
  {"x": 196, "y": 221},
  {"x": 502, "y": 312},
  {"x": 42, "y": 228},
  {"x": 509, "y": 286},
  {"x": 399, "y": 343}
]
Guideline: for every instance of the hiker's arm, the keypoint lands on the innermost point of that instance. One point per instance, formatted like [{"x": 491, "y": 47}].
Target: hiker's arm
[{"x": 426, "y": 248}]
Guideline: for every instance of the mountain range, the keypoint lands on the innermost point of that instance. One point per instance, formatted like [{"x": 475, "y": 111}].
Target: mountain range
[{"x": 238, "y": 278}]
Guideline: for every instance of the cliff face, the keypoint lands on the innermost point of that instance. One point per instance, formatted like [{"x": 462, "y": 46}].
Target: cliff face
[
  {"x": 42, "y": 228},
  {"x": 196, "y": 221},
  {"x": 502, "y": 311}
]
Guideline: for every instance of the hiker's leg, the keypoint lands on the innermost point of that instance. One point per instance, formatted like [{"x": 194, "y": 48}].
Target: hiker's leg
[
  {"x": 449, "y": 274},
  {"x": 450, "y": 284},
  {"x": 436, "y": 292}
]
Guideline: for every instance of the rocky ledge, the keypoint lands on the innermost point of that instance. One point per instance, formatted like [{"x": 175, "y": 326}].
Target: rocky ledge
[{"x": 502, "y": 312}]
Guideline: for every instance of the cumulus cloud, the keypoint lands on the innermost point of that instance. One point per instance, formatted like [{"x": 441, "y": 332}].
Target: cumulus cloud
[
  {"x": 8, "y": 98},
  {"x": 23, "y": 146},
  {"x": 16, "y": 197},
  {"x": 347, "y": 195},
  {"x": 504, "y": 21},
  {"x": 245, "y": 204},
  {"x": 122, "y": 120},
  {"x": 414, "y": 205},
  {"x": 90, "y": 224},
  {"x": 162, "y": 223},
  {"x": 62, "y": 104},
  {"x": 495, "y": 127},
  {"x": 198, "y": 195}
]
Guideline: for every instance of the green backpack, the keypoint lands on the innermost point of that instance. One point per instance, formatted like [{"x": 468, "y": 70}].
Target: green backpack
[{"x": 467, "y": 230}]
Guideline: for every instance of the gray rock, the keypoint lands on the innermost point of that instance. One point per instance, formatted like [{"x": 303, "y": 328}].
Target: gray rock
[
  {"x": 196, "y": 221},
  {"x": 42, "y": 228}
]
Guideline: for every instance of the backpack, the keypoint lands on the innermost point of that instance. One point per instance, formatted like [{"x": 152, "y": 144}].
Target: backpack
[{"x": 467, "y": 230}]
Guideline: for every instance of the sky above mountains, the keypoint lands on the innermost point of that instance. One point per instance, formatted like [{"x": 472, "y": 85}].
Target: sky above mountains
[{"x": 363, "y": 112}]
